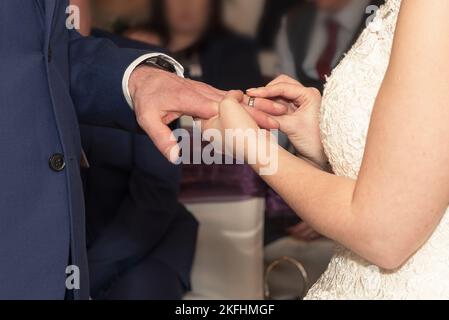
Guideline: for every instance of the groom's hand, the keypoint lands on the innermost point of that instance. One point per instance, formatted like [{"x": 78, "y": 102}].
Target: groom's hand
[{"x": 160, "y": 98}]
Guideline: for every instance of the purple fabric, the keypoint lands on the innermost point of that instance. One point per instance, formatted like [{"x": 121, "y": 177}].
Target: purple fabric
[
  {"x": 219, "y": 183},
  {"x": 275, "y": 205},
  {"x": 212, "y": 183}
]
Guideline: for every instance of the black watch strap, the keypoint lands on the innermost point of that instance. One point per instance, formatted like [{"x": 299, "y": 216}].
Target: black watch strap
[{"x": 161, "y": 63}]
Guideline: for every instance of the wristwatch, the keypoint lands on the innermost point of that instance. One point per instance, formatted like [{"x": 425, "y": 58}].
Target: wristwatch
[{"x": 159, "y": 62}]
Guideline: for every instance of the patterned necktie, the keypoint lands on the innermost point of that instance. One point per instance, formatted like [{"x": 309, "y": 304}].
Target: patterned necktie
[{"x": 324, "y": 65}]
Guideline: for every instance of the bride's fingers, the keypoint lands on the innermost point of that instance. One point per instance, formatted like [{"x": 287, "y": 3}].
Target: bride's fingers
[
  {"x": 284, "y": 79},
  {"x": 291, "y": 107},
  {"x": 284, "y": 90},
  {"x": 233, "y": 104},
  {"x": 283, "y": 122},
  {"x": 271, "y": 107},
  {"x": 287, "y": 91}
]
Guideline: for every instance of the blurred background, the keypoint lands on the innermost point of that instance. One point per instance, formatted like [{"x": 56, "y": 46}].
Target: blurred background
[{"x": 156, "y": 231}]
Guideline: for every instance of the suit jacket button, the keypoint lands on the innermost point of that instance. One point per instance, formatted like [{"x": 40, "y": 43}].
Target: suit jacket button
[{"x": 57, "y": 162}]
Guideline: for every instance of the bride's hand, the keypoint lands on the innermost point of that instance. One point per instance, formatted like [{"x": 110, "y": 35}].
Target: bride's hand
[
  {"x": 234, "y": 120},
  {"x": 301, "y": 123}
]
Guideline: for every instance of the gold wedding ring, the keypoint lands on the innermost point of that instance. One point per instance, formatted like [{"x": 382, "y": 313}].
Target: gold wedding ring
[{"x": 252, "y": 102}]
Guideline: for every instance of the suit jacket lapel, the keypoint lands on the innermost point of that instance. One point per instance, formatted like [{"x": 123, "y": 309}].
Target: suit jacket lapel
[
  {"x": 50, "y": 6},
  {"x": 300, "y": 23}
]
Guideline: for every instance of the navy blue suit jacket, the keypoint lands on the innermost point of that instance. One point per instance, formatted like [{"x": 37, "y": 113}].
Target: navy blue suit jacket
[
  {"x": 51, "y": 77},
  {"x": 132, "y": 207}
]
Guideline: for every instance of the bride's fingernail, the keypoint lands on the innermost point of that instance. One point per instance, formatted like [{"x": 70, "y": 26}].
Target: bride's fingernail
[{"x": 251, "y": 90}]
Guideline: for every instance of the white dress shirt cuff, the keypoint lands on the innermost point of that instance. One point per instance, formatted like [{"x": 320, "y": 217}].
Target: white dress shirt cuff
[{"x": 136, "y": 63}]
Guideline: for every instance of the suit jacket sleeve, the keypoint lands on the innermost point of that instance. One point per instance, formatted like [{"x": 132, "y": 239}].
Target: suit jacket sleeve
[{"x": 96, "y": 74}]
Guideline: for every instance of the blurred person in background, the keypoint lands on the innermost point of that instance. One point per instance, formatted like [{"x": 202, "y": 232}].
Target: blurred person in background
[
  {"x": 140, "y": 239},
  {"x": 194, "y": 33},
  {"x": 270, "y": 21},
  {"x": 118, "y": 15},
  {"x": 315, "y": 35},
  {"x": 243, "y": 16}
]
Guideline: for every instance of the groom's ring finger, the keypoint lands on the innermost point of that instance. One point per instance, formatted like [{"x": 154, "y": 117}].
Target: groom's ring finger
[
  {"x": 252, "y": 102},
  {"x": 265, "y": 105}
]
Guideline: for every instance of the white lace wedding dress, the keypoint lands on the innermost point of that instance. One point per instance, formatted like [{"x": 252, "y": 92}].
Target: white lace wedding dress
[{"x": 347, "y": 104}]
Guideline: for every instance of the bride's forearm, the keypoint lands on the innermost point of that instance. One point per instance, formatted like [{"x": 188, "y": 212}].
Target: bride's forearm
[
  {"x": 311, "y": 192},
  {"x": 326, "y": 202},
  {"x": 318, "y": 158},
  {"x": 319, "y": 164}
]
